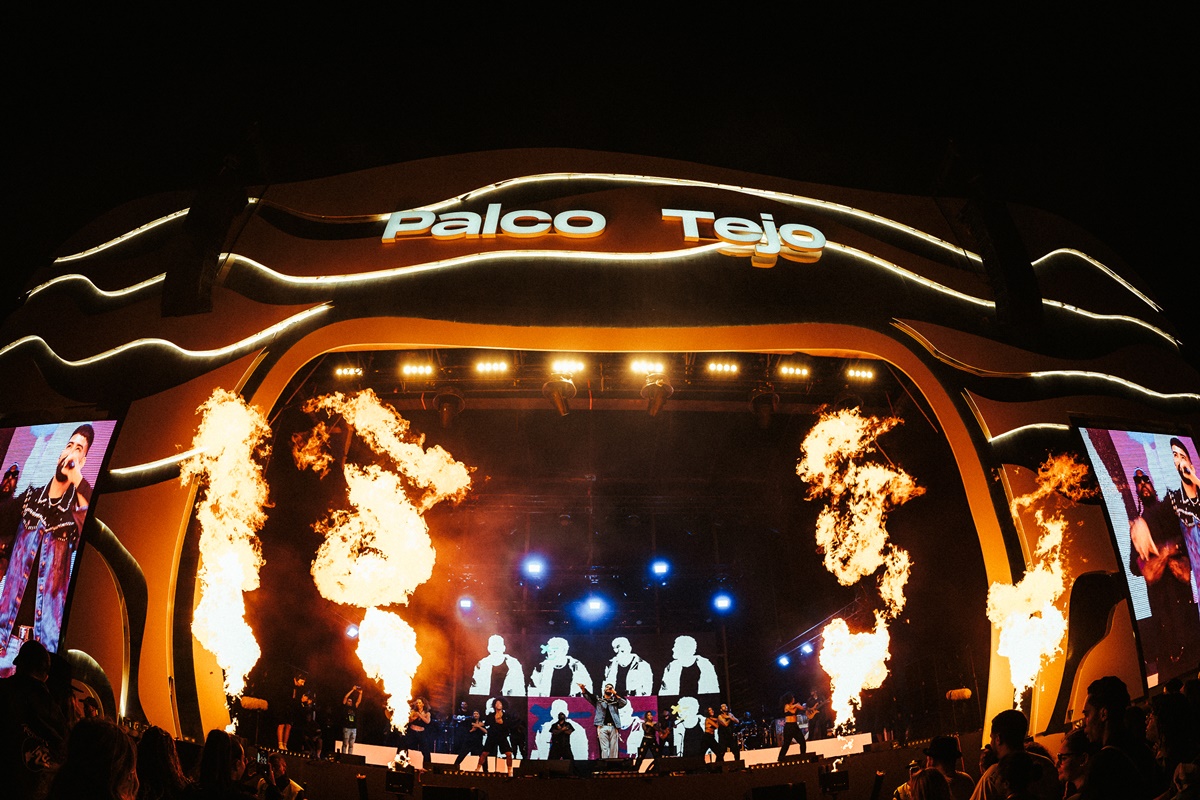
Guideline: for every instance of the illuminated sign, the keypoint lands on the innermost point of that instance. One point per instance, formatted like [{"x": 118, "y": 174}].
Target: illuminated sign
[{"x": 761, "y": 239}]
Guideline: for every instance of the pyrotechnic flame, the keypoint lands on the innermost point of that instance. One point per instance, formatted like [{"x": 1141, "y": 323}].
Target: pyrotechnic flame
[
  {"x": 1027, "y": 615},
  {"x": 378, "y": 552},
  {"x": 851, "y": 531},
  {"x": 387, "y": 647},
  {"x": 230, "y": 511}
]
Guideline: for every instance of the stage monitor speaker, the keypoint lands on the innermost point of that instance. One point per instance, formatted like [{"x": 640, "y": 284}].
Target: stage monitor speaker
[
  {"x": 781, "y": 791},
  {"x": 347, "y": 758},
  {"x": 450, "y": 793},
  {"x": 559, "y": 768},
  {"x": 400, "y": 781},
  {"x": 680, "y": 764},
  {"x": 533, "y": 769},
  {"x": 800, "y": 758},
  {"x": 616, "y": 765}
]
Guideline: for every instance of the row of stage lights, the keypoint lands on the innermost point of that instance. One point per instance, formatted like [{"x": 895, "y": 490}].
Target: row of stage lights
[
  {"x": 572, "y": 367},
  {"x": 595, "y": 608}
]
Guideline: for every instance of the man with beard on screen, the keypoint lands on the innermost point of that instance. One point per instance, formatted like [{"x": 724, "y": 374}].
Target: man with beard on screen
[
  {"x": 688, "y": 673},
  {"x": 1186, "y": 502},
  {"x": 1158, "y": 554},
  {"x": 48, "y": 521},
  {"x": 559, "y": 674}
]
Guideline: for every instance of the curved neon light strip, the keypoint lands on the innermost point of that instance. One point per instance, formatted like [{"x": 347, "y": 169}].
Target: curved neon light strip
[
  {"x": 152, "y": 465},
  {"x": 124, "y": 237},
  {"x": 249, "y": 341},
  {"x": 1113, "y": 317},
  {"x": 75, "y": 277},
  {"x": 1055, "y": 426},
  {"x": 908, "y": 275},
  {"x": 472, "y": 258},
  {"x": 1103, "y": 268},
  {"x": 1048, "y": 373}
]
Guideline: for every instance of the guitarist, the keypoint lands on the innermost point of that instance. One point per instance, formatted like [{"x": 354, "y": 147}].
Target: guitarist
[{"x": 818, "y": 720}]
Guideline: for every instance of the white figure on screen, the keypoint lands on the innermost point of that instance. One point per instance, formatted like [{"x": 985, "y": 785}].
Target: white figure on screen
[
  {"x": 558, "y": 675},
  {"x": 688, "y": 673},
  {"x": 498, "y": 674}
]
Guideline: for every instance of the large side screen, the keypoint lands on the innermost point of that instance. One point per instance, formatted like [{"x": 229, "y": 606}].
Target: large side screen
[
  {"x": 1152, "y": 499},
  {"x": 46, "y": 491}
]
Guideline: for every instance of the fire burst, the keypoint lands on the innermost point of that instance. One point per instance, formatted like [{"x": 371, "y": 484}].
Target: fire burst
[
  {"x": 851, "y": 531},
  {"x": 379, "y": 552},
  {"x": 230, "y": 512},
  {"x": 1027, "y": 615}
]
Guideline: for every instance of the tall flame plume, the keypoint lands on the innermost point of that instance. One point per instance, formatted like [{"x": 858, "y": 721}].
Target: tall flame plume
[
  {"x": 851, "y": 530},
  {"x": 230, "y": 440},
  {"x": 1027, "y": 615},
  {"x": 378, "y": 551}
]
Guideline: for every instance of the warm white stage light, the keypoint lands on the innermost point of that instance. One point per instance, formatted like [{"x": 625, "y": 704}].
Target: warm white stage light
[
  {"x": 789, "y": 371},
  {"x": 348, "y": 372},
  {"x": 722, "y": 367},
  {"x": 566, "y": 366},
  {"x": 491, "y": 367},
  {"x": 645, "y": 366},
  {"x": 417, "y": 370}
]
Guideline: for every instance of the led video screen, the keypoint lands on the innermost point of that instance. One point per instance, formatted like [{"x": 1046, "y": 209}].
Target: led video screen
[
  {"x": 1152, "y": 501},
  {"x": 46, "y": 494}
]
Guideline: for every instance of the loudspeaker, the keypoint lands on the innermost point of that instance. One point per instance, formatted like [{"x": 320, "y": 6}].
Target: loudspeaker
[
  {"x": 399, "y": 781},
  {"x": 681, "y": 764},
  {"x": 345, "y": 758},
  {"x": 781, "y": 791},
  {"x": 559, "y": 768},
  {"x": 533, "y": 769}
]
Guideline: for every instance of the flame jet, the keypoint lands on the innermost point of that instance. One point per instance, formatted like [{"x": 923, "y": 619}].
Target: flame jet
[
  {"x": 851, "y": 531},
  {"x": 378, "y": 552},
  {"x": 230, "y": 438},
  {"x": 1026, "y": 613}
]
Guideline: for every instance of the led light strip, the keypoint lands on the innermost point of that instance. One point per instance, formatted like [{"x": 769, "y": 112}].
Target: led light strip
[
  {"x": 123, "y": 237},
  {"x": 75, "y": 277},
  {"x": 1102, "y": 268},
  {"x": 908, "y": 275},
  {"x": 1049, "y": 426},
  {"x": 179, "y": 458},
  {"x": 1112, "y": 317},
  {"x": 249, "y": 341},
  {"x": 1049, "y": 373}
]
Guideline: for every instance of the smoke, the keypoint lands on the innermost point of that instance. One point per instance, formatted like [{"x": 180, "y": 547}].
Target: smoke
[
  {"x": 851, "y": 531},
  {"x": 378, "y": 551},
  {"x": 230, "y": 439},
  {"x": 1031, "y": 625}
]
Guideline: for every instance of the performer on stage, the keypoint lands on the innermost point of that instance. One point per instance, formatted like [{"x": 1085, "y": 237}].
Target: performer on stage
[
  {"x": 472, "y": 743},
  {"x": 818, "y": 718},
  {"x": 419, "y": 720},
  {"x": 577, "y": 742},
  {"x": 791, "y": 726},
  {"x": 607, "y": 719},
  {"x": 651, "y": 744},
  {"x": 561, "y": 731},
  {"x": 294, "y": 713},
  {"x": 350, "y": 718},
  {"x": 727, "y": 723},
  {"x": 498, "y": 740}
]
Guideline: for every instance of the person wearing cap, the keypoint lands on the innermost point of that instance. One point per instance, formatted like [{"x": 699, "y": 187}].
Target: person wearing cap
[{"x": 943, "y": 754}]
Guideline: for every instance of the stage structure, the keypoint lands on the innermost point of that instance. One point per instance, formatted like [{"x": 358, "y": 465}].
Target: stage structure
[{"x": 1020, "y": 336}]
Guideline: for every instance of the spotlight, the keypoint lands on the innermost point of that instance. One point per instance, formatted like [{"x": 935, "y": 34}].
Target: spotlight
[
  {"x": 491, "y": 367},
  {"x": 351, "y": 631},
  {"x": 806, "y": 648},
  {"x": 722, "y": 601},
  {"x": 791, "y": 371},
  {"x": 534, "y": 567},
  {"x": 416, "y": 370},
  {"x": 763, "y": 402},
  {"x": 645, "y": 366},
  {"x": 660, "y": 568},
  {"x": 592, "y": 609},
  {"x": 449, "y": 403},
  {"x": 784, "y": 661},
  {"x": 348, "y": 372},
  {"x": 860, "y": 374},
  {"x": 559, "y": 389},
  {"x": 566, "y": 367},
  {"x": 722, "y": 368},
  {"x": 656, "y": 391},
  {"x": 465, "y": 603}
]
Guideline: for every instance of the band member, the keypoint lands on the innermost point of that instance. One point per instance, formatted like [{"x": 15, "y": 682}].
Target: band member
[
  {"x": 498, "y": 674},
  {"x": 419, "y": 720},
  {"x": 607, "y": 719},
  {"x": 559, "y": 674},
  {"x": 627, "y": 671},
  {"x": 791, "y": 726},
  {"x": 818, "y": 717}
]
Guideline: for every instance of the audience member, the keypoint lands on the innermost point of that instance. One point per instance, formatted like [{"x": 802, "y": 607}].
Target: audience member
[
  {"x": 222, "y": 763},
  {"x": 101, "y": 764},
  {"x": 275, "y": 784},
  {"x": 1172, "y": 734},
  {"x": 33, "y": 730},
  {"x": 1123, "y": 760},
  {"x": 1074, "y": 756},
  {"x": 160, "y": 775},
  {"x": 1008, "y": 737},
  {"x": 942, "y": 755}
]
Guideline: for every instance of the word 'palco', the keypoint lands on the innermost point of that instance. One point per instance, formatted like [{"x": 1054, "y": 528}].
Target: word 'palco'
[
  {"x": 764, "y": 241},
  {"x": 526, "y": 223}
]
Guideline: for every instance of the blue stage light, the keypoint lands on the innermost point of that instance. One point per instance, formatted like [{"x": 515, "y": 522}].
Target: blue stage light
[
  {"x": 352, "y": 631},
  {"x": 806, "y": 648},
  {"x": 660, "y": 568},
  {"x": 466, "y": 603},
  {"x": 534, "y": 566},
  {"x": 722, "y": 601},
  {"x": 784, "y": 661},
  {"x": 592, "y": 609}
]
